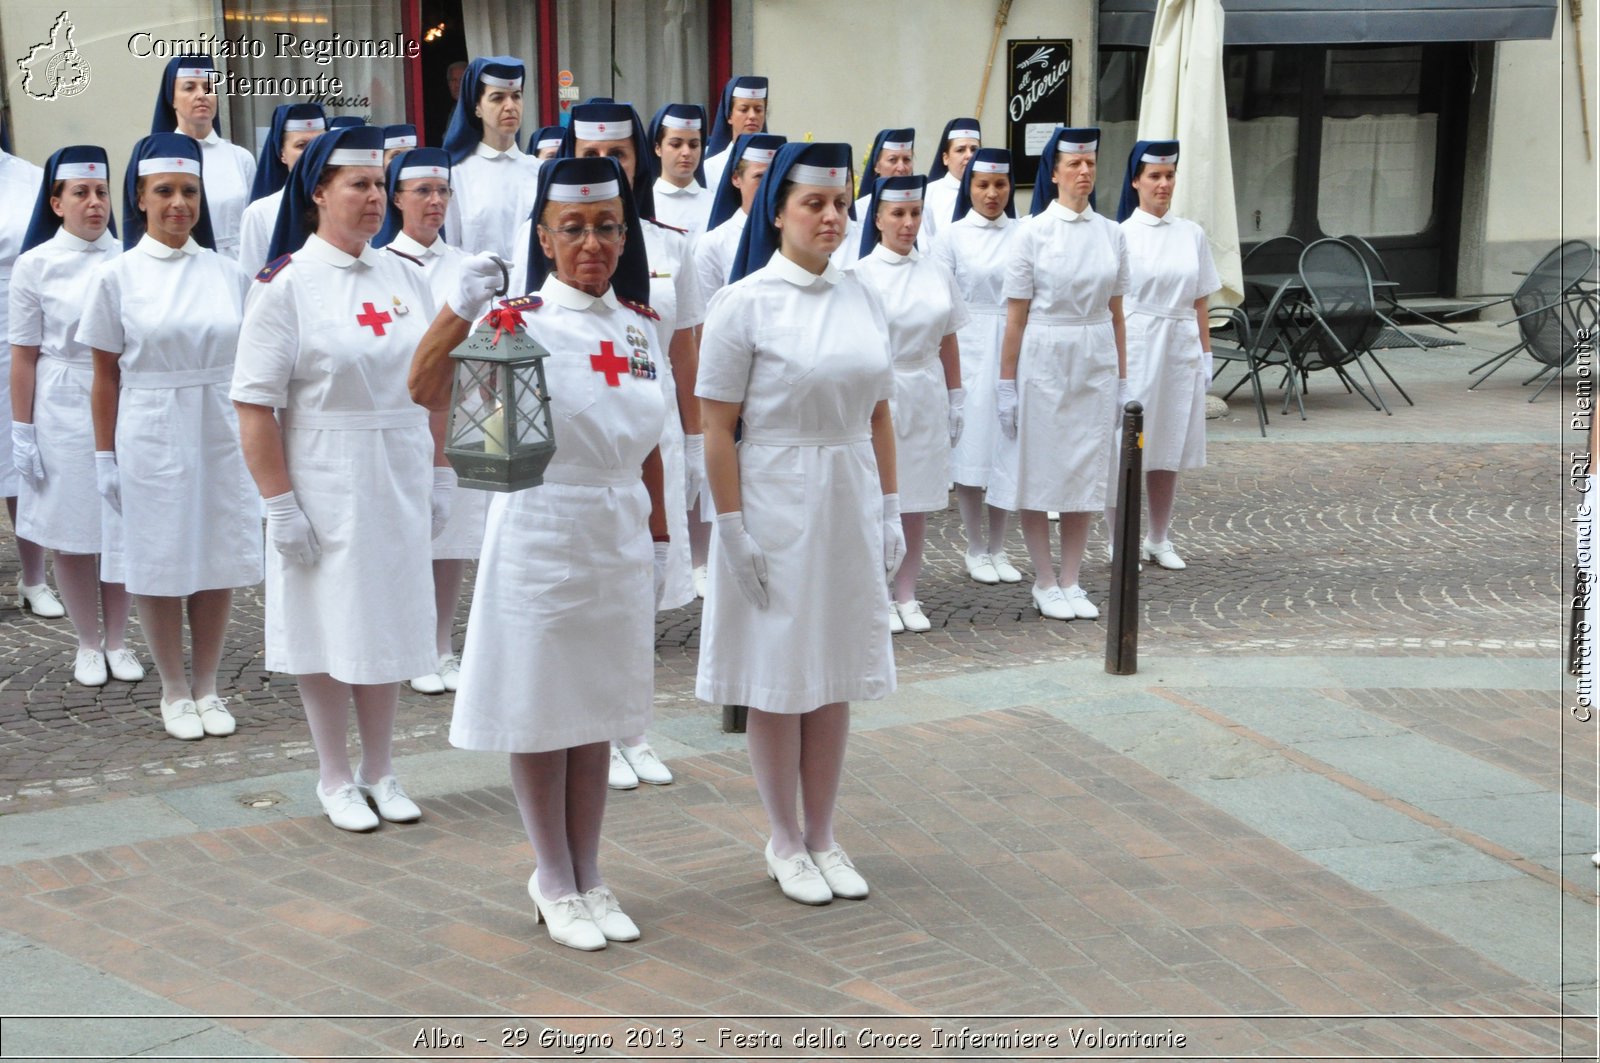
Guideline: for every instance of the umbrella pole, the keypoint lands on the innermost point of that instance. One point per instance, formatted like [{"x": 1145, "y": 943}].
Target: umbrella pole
[
  {"x": 1000, "y": 18},
  {"x": 1576, "y": 7}
]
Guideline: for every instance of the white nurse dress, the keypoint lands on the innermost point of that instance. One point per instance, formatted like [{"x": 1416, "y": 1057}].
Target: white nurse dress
[
  {"x": 19, "y": 187},
  {"x": 228, "y": 172},
  {"x": 938, "y": 204},
  {"x": 686, "y": 208},
  {"x": 491, "y": 193},
  {"x": 713, "y": 254}
]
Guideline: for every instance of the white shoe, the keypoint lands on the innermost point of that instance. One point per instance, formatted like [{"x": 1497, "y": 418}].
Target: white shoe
[
  {"x": 799, "y": 878},
  {"x": 839, "y": 873},
  {"x": 393, "y": 804},
  {"x": 647, "y": 767},
  {"x": 1111, "y": 557},
  {"x": 40, "y": 601},
  {"x": 981, "y": 568},
  {"x": 622, "y": 775},
  {"x": 896, "y": 625},
  {"x": 347, "y": 809},
  {"x": 90, "y": 668},
  {"x": 1078, "y": 600},
  {"x": 182, "y": 719},
  {"x": 568, "y": 919},
  {"x": 1162, "y": 554},
  {"x": 700, "y": 581},
  {"x": 124, "y": 665},
  {"x": 1005, "y": 569},
  {"x": 450, "y": 671},
  {"x": 1051, "y": 603},
  {"x": 912, "y": 617},
  {"x": 216, "y": 719},
  {"x": 609, "y": 916},
  {"x": 432, "y": 683}
]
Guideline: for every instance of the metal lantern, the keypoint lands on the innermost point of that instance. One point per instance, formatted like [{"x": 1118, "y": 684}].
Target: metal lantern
[{"x": 500, "y": 437}]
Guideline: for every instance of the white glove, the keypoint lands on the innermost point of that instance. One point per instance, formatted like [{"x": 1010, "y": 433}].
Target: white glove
[
  {"x": 1124, "y": 392},
  {"x": 742, "y": 557},
  {"x": 958, "y": 416},
  {"x": 1206, "y": 364},
  {"x": 662, "y": 549},
  {"x": 25, "y": 453},
  {"x": 694, "y": 470},
  {"x": 894, "y": 536},
  {"x": 290, "y": 530},
  {"x": 480, "y": 278},
  {"x": 1005, "y": 398},
  {"x": 444, "y": 489},
  {"x": 107, "y": 480}
]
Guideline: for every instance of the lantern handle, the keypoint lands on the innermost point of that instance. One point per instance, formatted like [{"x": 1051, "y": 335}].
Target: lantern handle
[{"x": 505, "y": 277}]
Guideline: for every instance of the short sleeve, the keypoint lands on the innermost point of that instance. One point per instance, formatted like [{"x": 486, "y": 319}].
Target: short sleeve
[
  {"x": 691, "y": 303},
  {"x": 269, "y": 344},
  {"x": 726, "y": 347},
  {"x": 884, "y": 390},
  {"x": 942, "y": 252},
  {"x": 255, "y": 235},
  {"x": 1119, "y": 244},
  {"x": 1019, "y": 266},
  {"x": 710, "y": 270},
  {"x": 959, "y": 314},
  {"x": 25, "y": 302},
  {"x": 519, "y": 258},
  {"x": 100, "y": 326},
  {"x": 1208, "y": 280}
]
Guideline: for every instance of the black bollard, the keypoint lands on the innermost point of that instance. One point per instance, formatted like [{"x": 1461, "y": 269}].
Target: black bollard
[
  {"x": 733, "y": 719},
  {"x": 1122, "y": 630}
]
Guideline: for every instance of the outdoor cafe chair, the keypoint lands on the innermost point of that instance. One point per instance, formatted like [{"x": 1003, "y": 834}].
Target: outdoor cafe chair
[
  {"x": 1344, "y": 318},
  {"x": 1551, "y": 305},
  {"x": 1389, "y": 296},
  {"x": 1231, "y": 342},
  {"x": 1256, "y": 297}
]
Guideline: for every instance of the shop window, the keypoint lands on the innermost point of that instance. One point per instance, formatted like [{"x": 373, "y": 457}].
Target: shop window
[
  {"x": 1263, "y": 88},
  {"x": 645, "y": 52},
  {"x": 1380, "y": 133}
]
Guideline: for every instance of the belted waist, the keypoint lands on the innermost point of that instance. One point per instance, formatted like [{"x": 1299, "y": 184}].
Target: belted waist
[
  {"x": 355, "y": 420},
  {"x": 1159, "y": 311},
  {"x": 778, "y": 437},
  {"x": 151, "y": 379},
  {"x": 1102, "y": 318},
  {"x": 987, "y": 311},
  {"x": 585, "y": 476},
  {"x": 908, "y": 364}
]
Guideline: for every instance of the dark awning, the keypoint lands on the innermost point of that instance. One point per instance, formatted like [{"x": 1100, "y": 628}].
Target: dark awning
[{"x": 1126, "y": 23}]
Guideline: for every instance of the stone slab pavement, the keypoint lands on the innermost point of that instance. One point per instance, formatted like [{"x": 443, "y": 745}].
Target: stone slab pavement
[{"x": 1342, "y": 811}]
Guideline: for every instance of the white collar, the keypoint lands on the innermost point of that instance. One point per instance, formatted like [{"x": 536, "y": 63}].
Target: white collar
[
  {"x": 1057, "y": 210},
  {"x": 559, "y": 292},
  {"x": 665, "y": 187},
  {"x": 407, "y": 245},
  {"x": 788, "y": 269},
  {"x": 950, "y": 179},
  {"x": 484, "y": 151},
  {"x": 319, "y": 250},
  {"x": 74, "y": 243},
  {"x": 156, "y": 249},
  {"x": 972, "y": 217},
  {"x": 882, "y": 253},
  {"x": 211, "y": 139},
  {"x": 1150, "y": 219}
]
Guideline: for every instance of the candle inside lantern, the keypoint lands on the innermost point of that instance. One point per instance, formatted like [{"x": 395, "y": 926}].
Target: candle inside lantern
[{"x": 494, "y": 431}]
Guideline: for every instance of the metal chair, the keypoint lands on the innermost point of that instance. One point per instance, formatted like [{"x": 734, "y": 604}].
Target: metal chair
[
  {"x": 1255, "y": 297},
  {"x": 1345, "y": 318},
  {"x": 1230, "y": 342},
  {"x": 1260, "y": 346},
  {"x": 1390, "y": 296},
  {"x": 1551, "y": 305}
]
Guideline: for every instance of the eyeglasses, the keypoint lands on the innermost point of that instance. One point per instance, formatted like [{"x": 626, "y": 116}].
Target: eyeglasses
[
  {"x": 607, "y": 233},
  {"x": 430, "y": 191}
]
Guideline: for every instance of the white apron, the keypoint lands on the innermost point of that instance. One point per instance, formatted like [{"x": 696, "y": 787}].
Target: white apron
[
  {"x": 921, "y": 305},
  {"x": 974, "y": 250},
  {"x": 19, "y": 187},
  {"x": 808, "y": 357},
  {"x": 47, "y": 295},
  {"x": 492, "y": 192},
  {"x": 190, "y": 517},
  {"x": 228, "y": 172},
  {"x": 1064, "y": 455},
  {"x": 560, "y": 647},
  {"x": 328, "y": 341},
  {"x": 1169, "y": 267}
]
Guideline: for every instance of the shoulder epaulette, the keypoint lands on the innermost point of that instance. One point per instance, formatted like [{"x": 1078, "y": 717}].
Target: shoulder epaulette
[
  {"x": 522, "y": 302},
  {"x": 664, "y": 225},
  {"x": 640, "y": 308},
  {"x": 413, "y": 259},
  {"x": 273, "y": 268}
]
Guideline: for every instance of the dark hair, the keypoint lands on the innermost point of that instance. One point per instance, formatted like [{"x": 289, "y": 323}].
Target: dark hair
[
  {"x": 663, "y": 129},
  {"x": 1138, "y": 169}
]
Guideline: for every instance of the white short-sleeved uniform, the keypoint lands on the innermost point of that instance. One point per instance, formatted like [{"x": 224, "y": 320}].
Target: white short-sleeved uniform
[
  {"x": 491, "y": 193},
  {"x": 685, "y": 208},
  {"x": 228, "y": 171},
  {"x": 191, "y": 518},
  {"x": 1169, "y": 267},
  {"x": 328, "y": 341},
  {"x": 922, "y": 306},
  {"x": 560, "y": 647},
  {"x": 713, "y": 254},
  {"x": 974, "y": 250},
  {"x": 939, "y": 204},
  {"x": 48, "y": 286},
  {"x": 255, "y": 231},
  {"x": 19, "y": 187},
  {"x": 808, "y": 359},
  {"x": 462, "y": 536},
  {"x": 1069, "y": 266},
  {"x": 713, "y": 165}
]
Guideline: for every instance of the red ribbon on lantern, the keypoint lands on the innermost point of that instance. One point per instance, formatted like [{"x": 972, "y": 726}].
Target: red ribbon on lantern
[{"x": 504, "y": 319}]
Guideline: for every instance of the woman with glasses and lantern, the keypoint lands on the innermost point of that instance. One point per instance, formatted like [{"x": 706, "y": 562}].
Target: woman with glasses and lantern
[
  {"x": 354, "y": 488},
  {"x": 560, "y": 649}
]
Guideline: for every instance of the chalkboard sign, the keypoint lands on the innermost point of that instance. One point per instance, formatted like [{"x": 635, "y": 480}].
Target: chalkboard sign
[{"x": 1038, "y": 98}]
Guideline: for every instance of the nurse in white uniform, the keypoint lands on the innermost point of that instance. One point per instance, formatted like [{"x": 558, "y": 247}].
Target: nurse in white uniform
[
  {"x": 924, "y": 310},
  {"x": 188, "y": 103},
  {"x": 796, "y": 622},
  {"x": 419, "y": 193},
  {"x": 397, "y": 140},
  {"x": 742, "y": 109},
  {"x": 163, "y": 322},
  {"x": 547, "y": 142},
  {"x": 354, "y": 487},
  {"x": 294, "y": 125},
  {"x": 493, "y": 183},
  {"x": 1170, "y": 276},
  {"x": 19, "y": 185},
  {"x": 961, "y": 137},
  {"x": 973, "y": 247},
  {"x": 560, "y": 652},
  {"x": 1062, "y": 367},
  {"x": 677, "y": 140},
  {"x": 892, "y": 155},
  {"x": 52, "y": 429},
  {"x": 730, "y": 210}
]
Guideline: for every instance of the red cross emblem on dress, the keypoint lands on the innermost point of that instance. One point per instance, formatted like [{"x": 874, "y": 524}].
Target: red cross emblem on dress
[
  {"x": 373, "y": 318},
  {"x": 609, "y": 362}
]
